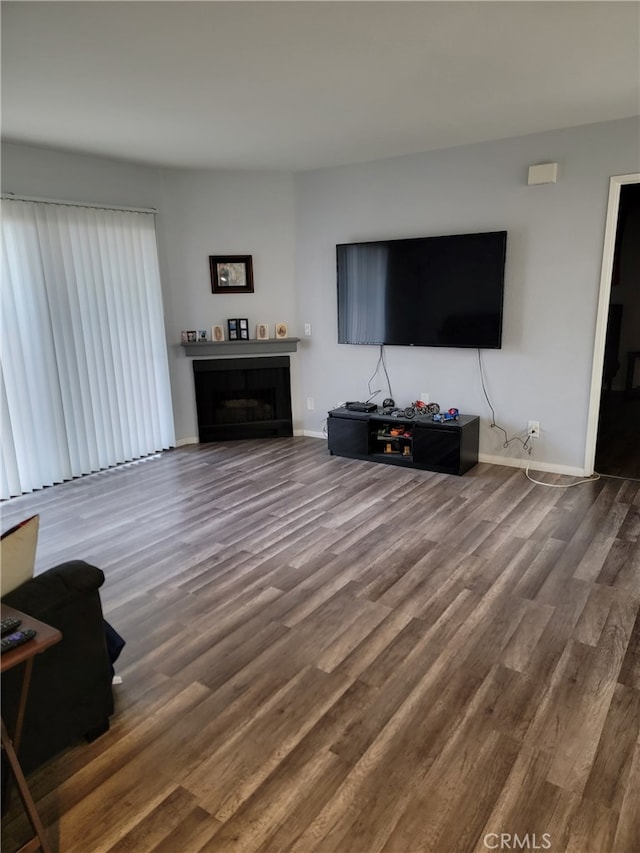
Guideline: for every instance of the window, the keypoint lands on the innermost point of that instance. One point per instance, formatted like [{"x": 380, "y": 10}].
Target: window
[{"x": 84, "y": 381}]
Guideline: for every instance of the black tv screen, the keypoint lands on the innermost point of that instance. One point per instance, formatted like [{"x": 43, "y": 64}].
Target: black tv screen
[{"x": 423, "y": 291}]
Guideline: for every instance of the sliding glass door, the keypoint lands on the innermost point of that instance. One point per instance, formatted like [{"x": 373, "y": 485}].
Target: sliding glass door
[{"x": 84, "y": 378}]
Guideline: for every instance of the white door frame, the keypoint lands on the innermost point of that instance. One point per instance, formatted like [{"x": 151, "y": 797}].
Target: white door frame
[{"x": 615, "y": 185}]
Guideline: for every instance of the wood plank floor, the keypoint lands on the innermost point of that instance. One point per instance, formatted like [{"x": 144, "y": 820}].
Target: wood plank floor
[{"x": 332, "y": 656}]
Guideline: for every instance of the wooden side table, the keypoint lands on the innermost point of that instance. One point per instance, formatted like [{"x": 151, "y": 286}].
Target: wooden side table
[{"x": 46, "y": 636}]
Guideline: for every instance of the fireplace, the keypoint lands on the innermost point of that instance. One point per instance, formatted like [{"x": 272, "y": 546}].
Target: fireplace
[{"x": 243, "y": 398}]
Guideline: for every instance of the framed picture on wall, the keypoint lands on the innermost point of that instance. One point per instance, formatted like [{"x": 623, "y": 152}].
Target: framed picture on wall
[{"x": 231, "y": 273}]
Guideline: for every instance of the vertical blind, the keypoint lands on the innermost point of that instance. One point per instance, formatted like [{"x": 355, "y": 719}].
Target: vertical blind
[{"x": 84, "y": 372}]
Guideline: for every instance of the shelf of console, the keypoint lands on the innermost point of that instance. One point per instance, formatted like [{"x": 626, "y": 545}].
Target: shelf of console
[{"x": 448, "y": 448}]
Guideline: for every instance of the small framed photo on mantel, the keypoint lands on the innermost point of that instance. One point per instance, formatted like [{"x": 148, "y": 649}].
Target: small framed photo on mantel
[
  {"x": 231, "y": 273},
  {"x": 238, "y": 329}
]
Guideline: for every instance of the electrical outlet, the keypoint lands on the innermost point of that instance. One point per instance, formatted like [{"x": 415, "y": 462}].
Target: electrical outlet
[
  {"x": 424, "y": 396},
  {"x": 534, "y": 429},
  {"x": 307, "y": 329},
  {"x": 311, "y": 404}
]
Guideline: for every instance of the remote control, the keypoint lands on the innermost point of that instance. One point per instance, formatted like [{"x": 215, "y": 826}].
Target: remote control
[
  {"x": 9, "y": 624},
  {"x": 12, "y": 641}
]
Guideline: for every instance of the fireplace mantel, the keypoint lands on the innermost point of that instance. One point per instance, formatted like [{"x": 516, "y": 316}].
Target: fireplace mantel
[{"x": 252, "y": 347}]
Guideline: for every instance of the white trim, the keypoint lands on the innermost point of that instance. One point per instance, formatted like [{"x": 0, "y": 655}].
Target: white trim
[
  {"x": 508, "y": 461},
  {"x": 547, "y": 467},
  {"x": 615, "y": 185},
  {"x": 7, "y": 196}
]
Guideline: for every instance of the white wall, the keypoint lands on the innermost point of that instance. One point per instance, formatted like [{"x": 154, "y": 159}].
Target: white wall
[
  {"x": 199, "y": 214},
  {"x": 291, "y": 224},
  {"x": 48, "y": 173},
  {"x": 554, "y": 253},
  {"x": 224, "y": 213}
]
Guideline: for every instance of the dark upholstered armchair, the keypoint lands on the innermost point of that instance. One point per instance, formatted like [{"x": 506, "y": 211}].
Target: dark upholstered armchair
[{"x": 70, "y": 697}]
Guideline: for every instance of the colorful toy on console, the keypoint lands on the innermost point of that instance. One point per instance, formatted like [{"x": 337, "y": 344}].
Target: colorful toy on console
[
  {"x": 420, "y": 408},
  {"x": 451, "y": 415}
]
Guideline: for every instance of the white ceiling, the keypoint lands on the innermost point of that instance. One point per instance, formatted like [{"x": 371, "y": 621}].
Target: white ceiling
[{"x": 302, "y": 85}]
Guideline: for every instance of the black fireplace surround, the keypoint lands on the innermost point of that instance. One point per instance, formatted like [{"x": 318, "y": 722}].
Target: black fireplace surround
[{"x": 243, "y": 398}]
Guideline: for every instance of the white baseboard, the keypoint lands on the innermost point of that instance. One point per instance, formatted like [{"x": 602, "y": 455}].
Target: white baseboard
[
  {"x": 180, "y": 442},
  {"x": 508, "y": 461},
  {"x": 550, "y": 468}
]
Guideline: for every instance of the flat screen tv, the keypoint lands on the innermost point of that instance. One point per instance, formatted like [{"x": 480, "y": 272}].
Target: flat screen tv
[{"x": 423, "y": 291}]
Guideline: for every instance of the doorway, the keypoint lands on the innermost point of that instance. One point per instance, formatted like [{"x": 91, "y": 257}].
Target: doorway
[{"x": 617, "y": 450}]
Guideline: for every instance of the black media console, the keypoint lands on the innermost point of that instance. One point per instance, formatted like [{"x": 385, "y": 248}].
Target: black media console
[{"x": 450, "y": 447}]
